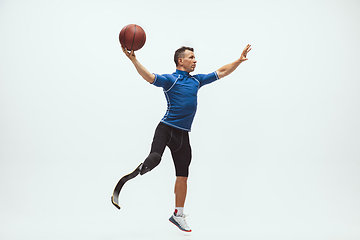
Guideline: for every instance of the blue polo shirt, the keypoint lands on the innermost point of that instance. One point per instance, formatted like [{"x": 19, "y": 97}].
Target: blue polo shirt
[{"x": 180, "y": 89}]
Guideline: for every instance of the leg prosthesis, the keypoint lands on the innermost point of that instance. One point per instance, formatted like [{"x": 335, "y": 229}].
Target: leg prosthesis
[{"x": 150, "y": 162}]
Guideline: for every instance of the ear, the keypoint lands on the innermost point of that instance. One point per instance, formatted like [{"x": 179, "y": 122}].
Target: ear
[{"x": 180, "y": 61}]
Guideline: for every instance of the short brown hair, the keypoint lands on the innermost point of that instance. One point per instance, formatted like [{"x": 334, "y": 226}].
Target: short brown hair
[{"x": 180, "y": 53}]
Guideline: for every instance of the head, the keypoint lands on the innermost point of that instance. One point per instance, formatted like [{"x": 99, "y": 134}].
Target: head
[{"x": 185, "y": 59}]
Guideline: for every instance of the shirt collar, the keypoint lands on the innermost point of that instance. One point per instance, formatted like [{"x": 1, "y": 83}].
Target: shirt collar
[{"x": 183, "y": 73}]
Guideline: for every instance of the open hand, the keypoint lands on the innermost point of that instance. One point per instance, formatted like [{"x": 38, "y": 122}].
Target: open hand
[
  {"x": 130, "y": 55},
  {"x": 247, "y": 49}
]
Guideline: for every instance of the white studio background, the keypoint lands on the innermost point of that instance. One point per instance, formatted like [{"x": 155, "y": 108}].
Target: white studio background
[{"x": 275, "y": 144}]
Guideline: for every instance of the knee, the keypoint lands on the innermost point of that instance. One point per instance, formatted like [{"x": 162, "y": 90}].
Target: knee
[
  {"x": 181, "y": 180},
  {"x": 150, "y": 162}
]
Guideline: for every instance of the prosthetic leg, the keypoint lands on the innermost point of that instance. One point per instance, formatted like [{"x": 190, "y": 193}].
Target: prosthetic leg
[{"x": 150, "y": 163}]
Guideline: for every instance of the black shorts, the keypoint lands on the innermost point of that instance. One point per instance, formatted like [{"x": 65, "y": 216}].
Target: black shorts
[{"x": 178, "y": 142}]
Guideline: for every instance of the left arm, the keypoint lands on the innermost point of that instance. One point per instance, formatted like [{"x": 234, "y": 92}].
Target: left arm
[{"x": 229, "y": 68}]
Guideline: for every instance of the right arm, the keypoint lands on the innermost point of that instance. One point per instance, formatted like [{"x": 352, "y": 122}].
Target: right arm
[{"x": 149, "y": 77}]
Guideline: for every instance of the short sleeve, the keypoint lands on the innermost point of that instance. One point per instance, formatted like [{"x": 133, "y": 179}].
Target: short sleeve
[
  {"x": 206, "y": 78},
  {"x": 161, "y": 81}
]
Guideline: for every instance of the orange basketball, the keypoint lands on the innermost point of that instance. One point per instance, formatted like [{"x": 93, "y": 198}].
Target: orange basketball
[{"x": 132, "y": 37}]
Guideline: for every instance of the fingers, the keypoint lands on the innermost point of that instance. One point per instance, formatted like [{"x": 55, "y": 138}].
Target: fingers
[
  {"x": 125, "y": 50},
  {"x": 127, "y": 53},
  {"x": 247, "y": 49}
]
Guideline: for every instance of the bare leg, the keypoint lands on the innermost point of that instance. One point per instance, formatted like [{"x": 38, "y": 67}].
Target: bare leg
[{"x": 180, "y": 191}]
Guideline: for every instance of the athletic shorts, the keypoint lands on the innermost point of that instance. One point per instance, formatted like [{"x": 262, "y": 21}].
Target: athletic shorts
[{"x": 178, "y": 142}]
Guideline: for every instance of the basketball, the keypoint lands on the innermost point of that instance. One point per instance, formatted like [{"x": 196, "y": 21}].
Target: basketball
[{"x": 132, "y": 37}]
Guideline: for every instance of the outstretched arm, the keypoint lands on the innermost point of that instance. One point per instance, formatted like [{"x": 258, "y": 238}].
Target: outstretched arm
[
  {"x": 140, "y": 68},
  {"x": 229, "y": 68}
]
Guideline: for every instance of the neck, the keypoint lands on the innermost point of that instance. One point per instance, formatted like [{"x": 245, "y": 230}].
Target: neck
[{"x": 181, "y": 69}]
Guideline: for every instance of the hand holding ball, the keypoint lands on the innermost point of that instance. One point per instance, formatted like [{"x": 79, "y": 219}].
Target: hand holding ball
[{"x": 132, "y": 37}]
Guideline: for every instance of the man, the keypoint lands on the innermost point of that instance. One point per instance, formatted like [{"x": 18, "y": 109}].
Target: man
[{"x": 180, "y": 89}]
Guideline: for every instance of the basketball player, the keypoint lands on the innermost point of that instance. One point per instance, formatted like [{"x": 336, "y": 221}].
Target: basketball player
[{"x": 180, "y": 89}]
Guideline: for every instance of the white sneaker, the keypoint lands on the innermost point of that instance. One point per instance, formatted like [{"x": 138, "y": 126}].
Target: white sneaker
[{"x": 180, "y": 222}]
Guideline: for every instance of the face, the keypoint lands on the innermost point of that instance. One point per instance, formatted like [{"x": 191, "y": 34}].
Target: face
[{"x": 188, "y": 62}]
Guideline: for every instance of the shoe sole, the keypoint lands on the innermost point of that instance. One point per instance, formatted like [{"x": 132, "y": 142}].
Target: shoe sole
[{"x": 170, "y": 220}]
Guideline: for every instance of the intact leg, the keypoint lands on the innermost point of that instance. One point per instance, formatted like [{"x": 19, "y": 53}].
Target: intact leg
[
  {"x": 180, "y": 191},
  {"x": 182, "y": 158},
  {"x": 178, "y": 217}
]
